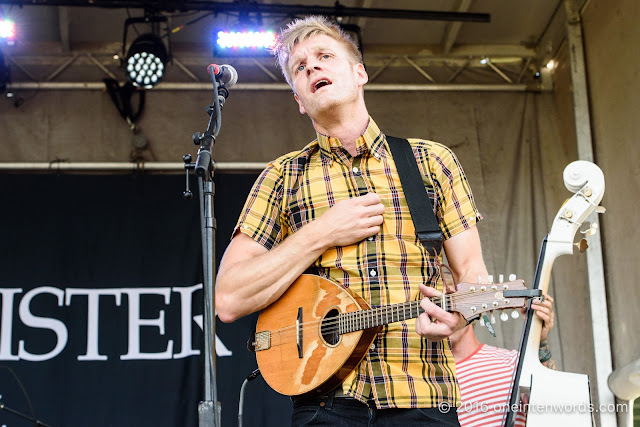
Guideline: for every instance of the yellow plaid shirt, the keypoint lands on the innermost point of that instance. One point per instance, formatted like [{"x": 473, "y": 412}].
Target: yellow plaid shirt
[{"x": 402, "y": 369}]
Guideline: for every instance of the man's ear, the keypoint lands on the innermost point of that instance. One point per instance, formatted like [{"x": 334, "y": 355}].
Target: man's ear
[
  {"x": 300, "y": 107},
  {"x": 361, "y": 73}
]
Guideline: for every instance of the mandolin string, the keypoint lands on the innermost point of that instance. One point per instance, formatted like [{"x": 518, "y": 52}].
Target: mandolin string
[
  {"x": 333, "y": 325},
  {"x": 282, "y": 335},
  {"x": 385, "y": 311}
]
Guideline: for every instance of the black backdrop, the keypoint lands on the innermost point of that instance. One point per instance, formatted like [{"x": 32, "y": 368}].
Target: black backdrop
[{"x": 124, "y": 356}]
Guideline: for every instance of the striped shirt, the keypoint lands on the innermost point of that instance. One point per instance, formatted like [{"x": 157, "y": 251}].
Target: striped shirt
[
  {"x": 402, "y": 370},
  {"x": 485, "y": 382}
]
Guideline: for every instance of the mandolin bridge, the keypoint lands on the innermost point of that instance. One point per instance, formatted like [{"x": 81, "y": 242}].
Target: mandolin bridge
[{"x": 262, "y": 341}]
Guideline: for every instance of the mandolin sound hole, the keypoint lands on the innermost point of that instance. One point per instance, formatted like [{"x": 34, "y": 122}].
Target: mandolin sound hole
[{"x": 329, "y": 328}]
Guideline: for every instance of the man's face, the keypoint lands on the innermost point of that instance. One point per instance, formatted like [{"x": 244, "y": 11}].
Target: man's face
[{"x": 323, "y": 76}]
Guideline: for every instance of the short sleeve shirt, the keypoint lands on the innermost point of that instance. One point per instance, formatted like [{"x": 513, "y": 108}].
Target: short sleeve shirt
[{"x": 402, "y": 369}]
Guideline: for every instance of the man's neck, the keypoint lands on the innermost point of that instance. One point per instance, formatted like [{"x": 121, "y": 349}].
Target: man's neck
[
  {"x": 347, "y": 128},
  {"x": 465, "y": 345}
]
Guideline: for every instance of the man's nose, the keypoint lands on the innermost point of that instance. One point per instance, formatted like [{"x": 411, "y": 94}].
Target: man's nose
[{"x": 312, "y": 67}]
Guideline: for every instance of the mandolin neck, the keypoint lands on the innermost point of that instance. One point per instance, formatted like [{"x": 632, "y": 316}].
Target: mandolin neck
[{"x": 374, "y": 317}]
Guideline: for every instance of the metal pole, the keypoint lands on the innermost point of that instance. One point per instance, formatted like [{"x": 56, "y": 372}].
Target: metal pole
[
  {"x": 122, "y": 166},
  {"x": 595, "y": 270},
  {"x": 373, "y": 87},
  {"x": 209, "y": 409}
]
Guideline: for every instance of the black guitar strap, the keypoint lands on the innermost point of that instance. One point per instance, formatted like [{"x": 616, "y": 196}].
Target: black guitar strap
[{"x": 424, "y": 219}]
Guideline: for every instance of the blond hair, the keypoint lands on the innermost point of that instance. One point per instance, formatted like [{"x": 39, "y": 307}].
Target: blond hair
[{"x": 302, "y": 29}]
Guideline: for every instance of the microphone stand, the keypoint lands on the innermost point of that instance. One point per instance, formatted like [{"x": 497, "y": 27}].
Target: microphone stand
[{"x": 209, "y": 409}]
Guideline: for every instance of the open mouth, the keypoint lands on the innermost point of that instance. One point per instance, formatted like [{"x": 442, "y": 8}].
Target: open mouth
[{"x": 320, "y": 84}]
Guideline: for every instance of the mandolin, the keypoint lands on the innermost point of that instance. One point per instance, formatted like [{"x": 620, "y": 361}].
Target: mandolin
[{"x": 317, "y": 332}]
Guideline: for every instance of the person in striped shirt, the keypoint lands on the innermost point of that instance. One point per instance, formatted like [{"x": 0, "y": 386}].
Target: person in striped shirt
[
  {"x": 485, "y": 372},
  {"x": 337, "y": 206}
]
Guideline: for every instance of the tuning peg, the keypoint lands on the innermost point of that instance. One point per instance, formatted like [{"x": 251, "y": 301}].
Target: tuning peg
[
  {"x": 501, "y": 278},
  {"x": 582, "y": 245},
  {"x": 490, "y": 279},
  {"x": 479, "y": 279},
  {"x": 504, "y": 316},
  {"x": 512, "y": 277},
  {"x": 482, "y": 321},
  {"x": 590, "y": 230},
  {"x": 515, "y": 314},
  {"x": 493, "y": 318},
  {"x": 600, "y": 209}
]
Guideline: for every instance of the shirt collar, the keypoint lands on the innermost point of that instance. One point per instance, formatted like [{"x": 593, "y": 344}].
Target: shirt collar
[{"x": 372, "y": 140}]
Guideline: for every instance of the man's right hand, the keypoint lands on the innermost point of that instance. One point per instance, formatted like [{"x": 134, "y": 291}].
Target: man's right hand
[{"x": 352, "y": 220}]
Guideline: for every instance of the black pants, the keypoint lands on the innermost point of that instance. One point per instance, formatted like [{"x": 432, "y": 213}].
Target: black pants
[{"x": 329, "y": 410}]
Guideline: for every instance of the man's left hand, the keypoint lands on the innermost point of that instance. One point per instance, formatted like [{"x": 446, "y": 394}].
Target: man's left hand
[
  {"x": 436, "y": 324},
  {"x": 544, "y": 310}
]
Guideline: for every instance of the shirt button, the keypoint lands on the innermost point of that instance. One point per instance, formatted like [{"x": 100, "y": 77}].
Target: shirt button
[
  {"x": 373, "y": 346},
  {"x": 372, "y": 273},
  {"x": 355, "y": 170}
]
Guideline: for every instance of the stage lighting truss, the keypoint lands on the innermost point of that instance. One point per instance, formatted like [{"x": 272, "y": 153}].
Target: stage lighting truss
[{"x": 146, "y": 60}]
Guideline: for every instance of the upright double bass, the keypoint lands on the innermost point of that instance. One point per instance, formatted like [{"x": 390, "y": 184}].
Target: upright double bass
[{"x": 552, "y": 398}]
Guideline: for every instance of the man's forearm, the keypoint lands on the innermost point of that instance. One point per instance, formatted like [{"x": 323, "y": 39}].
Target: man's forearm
[
  {"x": 248, "y": 285},
  {"x": 544, "y": 355}
]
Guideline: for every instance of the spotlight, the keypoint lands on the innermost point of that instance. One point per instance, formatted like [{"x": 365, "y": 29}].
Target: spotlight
[
  {"x": 7, "y": 30},
  {"x": 244, "y": 43},
  {"x": 145, "y": 62}
]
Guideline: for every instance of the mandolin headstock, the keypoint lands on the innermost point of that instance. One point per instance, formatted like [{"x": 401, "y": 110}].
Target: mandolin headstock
[{"x": 473, "y": 299}]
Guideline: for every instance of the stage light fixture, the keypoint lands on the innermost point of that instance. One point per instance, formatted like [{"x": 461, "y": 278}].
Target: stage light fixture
[
  {"x": 7, "y": 30},
  {"x": 146, "y": 60},
  {"x": 245, "y": 42}
]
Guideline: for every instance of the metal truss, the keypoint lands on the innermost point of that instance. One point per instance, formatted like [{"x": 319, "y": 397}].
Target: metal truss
[{"x": 464, "y": 68}]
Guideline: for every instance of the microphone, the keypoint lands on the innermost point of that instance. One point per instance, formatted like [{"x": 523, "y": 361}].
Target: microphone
[{"x": 225, "y": 74}]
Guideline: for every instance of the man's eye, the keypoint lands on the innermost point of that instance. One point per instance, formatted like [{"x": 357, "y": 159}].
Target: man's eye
[
  {"x": 325, "y": 56},
  {"x": 300, "y": 68}
]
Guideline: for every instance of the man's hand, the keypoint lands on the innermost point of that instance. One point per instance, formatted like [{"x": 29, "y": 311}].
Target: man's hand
[
  {"x": 544, "y": 310},
  {"x": 352, "y": 220},
  {"x": 443, "y": 324}
]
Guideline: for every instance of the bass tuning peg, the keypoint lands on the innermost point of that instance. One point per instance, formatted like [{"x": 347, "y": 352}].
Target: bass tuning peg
[
  {"x": 591, "y": 229},
  {"x": 582, "y": 245}
]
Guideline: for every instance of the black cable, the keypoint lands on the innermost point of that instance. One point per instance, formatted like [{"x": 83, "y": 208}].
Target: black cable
[
  {"x": 121, "y": 97},
  {"x": 24, "y": 391}
]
